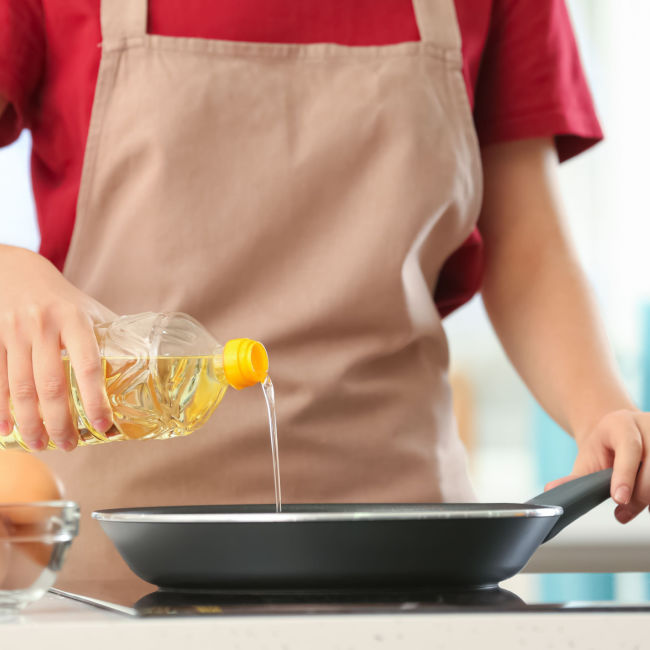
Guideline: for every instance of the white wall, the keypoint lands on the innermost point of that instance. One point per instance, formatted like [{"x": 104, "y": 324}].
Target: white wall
[{"x": 17, "y": 214}]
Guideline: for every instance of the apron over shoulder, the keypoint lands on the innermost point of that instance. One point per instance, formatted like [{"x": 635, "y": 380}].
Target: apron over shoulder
[{"x": 305, "y": 196}]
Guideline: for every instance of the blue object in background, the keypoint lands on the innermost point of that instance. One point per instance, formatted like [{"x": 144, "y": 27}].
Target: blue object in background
[
  {"x": 564, "y": 587},
  {"x": 645, "y": 357},
  {"x": 555, "y": 452},
  {"x": 645, "y": 376}
]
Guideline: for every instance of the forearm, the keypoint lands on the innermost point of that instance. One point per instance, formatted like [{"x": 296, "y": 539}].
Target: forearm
[
  {"x": 548, "y": 324},
  {"x": 540, "y": 303}
]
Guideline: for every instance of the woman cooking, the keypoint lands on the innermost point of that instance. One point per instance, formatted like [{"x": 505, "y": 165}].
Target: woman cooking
[{"x": 309, "y": 174}]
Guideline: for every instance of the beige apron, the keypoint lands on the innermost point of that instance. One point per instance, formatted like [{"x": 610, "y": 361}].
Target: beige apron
[{"x": 303, "y": 195}]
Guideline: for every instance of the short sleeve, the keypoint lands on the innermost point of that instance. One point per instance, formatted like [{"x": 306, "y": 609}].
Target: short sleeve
[
  {"x": 22, "y": 46},
  {"x": 531, "y": 81}
]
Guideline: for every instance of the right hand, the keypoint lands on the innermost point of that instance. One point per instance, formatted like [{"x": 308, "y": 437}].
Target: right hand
[{"x": 41, "y": 313}]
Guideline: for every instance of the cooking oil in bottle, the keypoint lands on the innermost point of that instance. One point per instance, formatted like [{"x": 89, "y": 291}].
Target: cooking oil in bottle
[
  {"x": 165, "y": 375},
  {"x": 160, "y": 398}
]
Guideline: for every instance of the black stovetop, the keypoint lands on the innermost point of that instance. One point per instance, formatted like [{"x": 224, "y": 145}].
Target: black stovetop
[{"x": 555, "y": 592}]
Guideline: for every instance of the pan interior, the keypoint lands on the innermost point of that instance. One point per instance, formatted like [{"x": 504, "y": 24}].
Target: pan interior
[{"x": 326, "y": 512}]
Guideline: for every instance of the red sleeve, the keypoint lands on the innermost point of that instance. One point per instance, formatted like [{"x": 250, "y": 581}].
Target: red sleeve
[
  {"x": 22, "y": 46},
  {"x": 531, "y": 82}
]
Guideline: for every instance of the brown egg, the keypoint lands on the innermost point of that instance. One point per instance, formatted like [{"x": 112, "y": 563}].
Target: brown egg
[{"x": 24, "y": 478}]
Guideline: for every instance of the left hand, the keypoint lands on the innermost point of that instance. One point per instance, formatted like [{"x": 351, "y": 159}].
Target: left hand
[{"x": 622, "y": 439}]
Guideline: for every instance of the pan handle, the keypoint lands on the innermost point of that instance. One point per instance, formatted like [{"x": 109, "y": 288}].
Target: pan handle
[{"x": 576, "y": 497}]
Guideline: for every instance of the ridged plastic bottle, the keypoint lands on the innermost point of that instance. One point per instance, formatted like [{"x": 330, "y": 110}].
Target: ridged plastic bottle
[{"x": 165, "y": 375}]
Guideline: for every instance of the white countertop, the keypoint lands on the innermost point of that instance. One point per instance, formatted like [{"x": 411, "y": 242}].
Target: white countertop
[{"x": 56, "y": 623}]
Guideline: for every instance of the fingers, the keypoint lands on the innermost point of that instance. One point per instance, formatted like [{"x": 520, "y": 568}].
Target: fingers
[
  {"x": 79, "y": 339},
  {"x": 621, "y": 440},
  {"x": 52, "y": 389},
  {"x": 639, "y": 499},
  {"x": 628, "y": 450},
  {"x": 6, "y": 421},
  {"x": 23, "y": 395},
  {"x": 33, "y": 378},
  {"x": 39, "y": 312}
]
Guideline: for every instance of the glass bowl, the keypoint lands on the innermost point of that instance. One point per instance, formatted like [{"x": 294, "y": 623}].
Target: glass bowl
[{"x": 34, "y": 539}]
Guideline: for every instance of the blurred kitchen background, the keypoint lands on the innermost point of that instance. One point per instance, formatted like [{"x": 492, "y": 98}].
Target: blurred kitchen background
[{"x": 514, "y": 447}]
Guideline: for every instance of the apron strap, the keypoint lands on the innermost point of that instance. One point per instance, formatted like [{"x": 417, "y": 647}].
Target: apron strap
[
  {"x": 122, "y": 19},
  {"x": 437, "y": 23}
]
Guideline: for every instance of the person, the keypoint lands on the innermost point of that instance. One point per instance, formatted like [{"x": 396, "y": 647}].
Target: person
[{"x": 310, "y": 175}]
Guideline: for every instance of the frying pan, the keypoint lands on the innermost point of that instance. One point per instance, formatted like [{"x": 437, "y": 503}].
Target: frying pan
[{"x": 339, "y": 546}]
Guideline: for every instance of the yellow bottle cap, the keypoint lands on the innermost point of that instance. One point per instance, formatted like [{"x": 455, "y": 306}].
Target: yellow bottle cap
[{"x": 245, "y": 362}]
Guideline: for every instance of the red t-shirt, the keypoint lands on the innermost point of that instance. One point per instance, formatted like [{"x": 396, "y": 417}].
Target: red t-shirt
[{"x": 521, "y": 66}]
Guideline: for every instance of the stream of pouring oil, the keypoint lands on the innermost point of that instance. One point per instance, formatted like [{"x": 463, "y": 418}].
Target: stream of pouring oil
[{"x": 269, "y": 396}]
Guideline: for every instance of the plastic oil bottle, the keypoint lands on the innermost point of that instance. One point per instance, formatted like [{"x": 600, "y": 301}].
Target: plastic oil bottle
[{"x": 164, "y": 376}]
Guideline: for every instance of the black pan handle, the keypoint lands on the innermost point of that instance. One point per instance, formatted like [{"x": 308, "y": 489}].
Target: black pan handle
[{"x": 576, "y": 497}]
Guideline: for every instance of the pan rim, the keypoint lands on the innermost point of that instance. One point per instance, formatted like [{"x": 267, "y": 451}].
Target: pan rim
[{"x": 131, "y": 515}]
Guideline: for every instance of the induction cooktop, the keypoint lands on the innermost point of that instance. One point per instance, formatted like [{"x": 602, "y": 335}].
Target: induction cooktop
[{"x": 554, "y": 592}]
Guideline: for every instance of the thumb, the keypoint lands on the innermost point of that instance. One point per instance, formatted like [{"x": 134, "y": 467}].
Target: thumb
[{"x": 559, "y": 481}]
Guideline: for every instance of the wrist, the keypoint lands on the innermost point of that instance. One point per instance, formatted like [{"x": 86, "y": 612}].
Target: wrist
[{"x": 582, "y": 423}]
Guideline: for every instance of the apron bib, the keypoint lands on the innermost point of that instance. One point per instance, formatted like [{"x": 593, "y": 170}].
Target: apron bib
[{"x": 302, "y": 195}]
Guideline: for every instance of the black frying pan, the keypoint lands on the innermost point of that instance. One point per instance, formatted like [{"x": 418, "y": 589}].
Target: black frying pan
[{"x": 342, "y": 546}]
